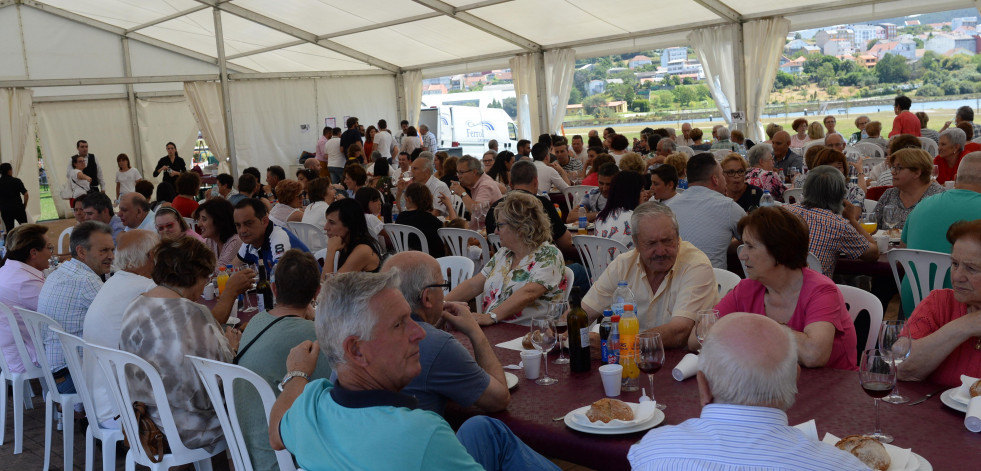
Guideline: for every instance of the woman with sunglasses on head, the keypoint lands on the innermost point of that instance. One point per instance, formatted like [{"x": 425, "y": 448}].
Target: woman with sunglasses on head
[{"x": 910, "y": 169}]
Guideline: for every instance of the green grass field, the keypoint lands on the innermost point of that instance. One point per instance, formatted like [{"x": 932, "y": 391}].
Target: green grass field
[{"x": 48, "y": 211}]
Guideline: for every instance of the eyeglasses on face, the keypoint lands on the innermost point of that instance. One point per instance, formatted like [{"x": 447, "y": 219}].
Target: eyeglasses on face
[
  {"x": 734, "y": 173},
  {"x": 898, "y": 168}
]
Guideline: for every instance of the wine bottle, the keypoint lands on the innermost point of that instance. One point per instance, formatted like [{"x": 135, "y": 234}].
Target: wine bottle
[{"x": 578, "y": 334}]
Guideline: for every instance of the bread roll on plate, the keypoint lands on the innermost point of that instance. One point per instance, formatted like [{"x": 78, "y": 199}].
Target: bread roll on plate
[
  {"x": 867, "y": 450},
  {"x": 606, "y": 409}
]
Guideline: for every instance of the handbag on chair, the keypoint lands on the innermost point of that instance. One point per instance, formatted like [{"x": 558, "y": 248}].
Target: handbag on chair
[{"x": 153, "y": 441}]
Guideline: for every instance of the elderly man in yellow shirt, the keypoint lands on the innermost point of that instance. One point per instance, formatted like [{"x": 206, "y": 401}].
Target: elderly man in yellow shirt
[{"x": 670, "y": 278}]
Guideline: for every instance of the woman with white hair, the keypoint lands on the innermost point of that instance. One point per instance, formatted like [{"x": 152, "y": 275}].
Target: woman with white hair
[
  {"x": 832, "y": 221},
  {"x": 949, "y": 150},
  {"x": 760, "y": 172}
]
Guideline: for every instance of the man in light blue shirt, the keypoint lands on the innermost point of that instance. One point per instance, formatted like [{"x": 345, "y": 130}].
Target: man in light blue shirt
[
  {"x": 134, "y": 212},
  {"x": 707, "y": 217},
  {"x": 428, "y": 139},
  {"x": 365, "y": 329},
  {"x": 69, "y": 290},
  {"x": 747, "y": 379}
]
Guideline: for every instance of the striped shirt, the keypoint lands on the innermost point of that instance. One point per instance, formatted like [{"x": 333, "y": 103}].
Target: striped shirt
[
  {"x": 735, "y": 437},
  {"x": 65, "y": 297},
  {"x": 708, "y": 220},
  {"x": 830, "y": 235}
]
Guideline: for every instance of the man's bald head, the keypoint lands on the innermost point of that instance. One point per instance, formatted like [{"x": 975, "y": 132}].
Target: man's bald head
[
  {"x": 751, "y": 360},
  {"x": 780, "y": 143},
  {"x": 969, "y": 172},
  {"x": 133, "y": 208},
  {"x": 418, "y": 271}
]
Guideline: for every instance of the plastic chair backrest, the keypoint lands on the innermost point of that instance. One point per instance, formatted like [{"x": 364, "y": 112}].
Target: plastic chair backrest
[
  {"x": 570, "y": 278},
  {"x": 924, "y": 269},
  {"x": 74, "y": 347},
  {"x": 495, "y": 241},
  {"x": 458, "y": 240},
  {"x": 721, "y": 153},
  {"x": 873, "y": 161},
  {"x": 597, "y": 253},
  {"x": 114, "y": 364},
  {"x": 930, "y": 146},
  {"x": 192, "y": 224},
  {"x": 870, "y": 205},
  {"x": 814, "y": 263},
  {"x": 37, "y": 325},
  {"x": 858, "y": 300},
  {"x": 574, "y": 195},
  {"x": 687, "y": 150},
  {"x": 64, "y": 240},
  {"x": 214, "y": 374},
  {"x": 400, "y": 233},
  {"x": 456, "y": 269},
  {"x": 458, "y": 205},
  {"x": 793, "y": 195},
  {"x": 311, "y": 236},
  {"x": 30, "y": 369},
  {"x": 726, "y": 280},
  {"x": 869, "y": 149}
]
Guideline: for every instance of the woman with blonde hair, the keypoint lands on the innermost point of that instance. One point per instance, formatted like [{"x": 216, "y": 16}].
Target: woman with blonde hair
[
  {"x": 679, "y": 160},
  {"x": 289, "y": 205},
  {"x": 815, "y": 131},
  {"x": 910, "y": 169},
  {"x": 526, "y": 274},
  {"x": 633, "y": 162}
]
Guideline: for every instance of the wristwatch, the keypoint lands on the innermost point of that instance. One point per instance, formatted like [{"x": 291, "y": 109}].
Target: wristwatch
[
  {"x": 493, "y": 316},
  {"x": 290, "y": 375}
]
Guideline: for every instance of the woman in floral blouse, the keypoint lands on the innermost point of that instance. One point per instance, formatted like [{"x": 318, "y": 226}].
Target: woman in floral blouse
[
  {"x": 761, "y": 172},
  {"x": 526, "y": 274}
]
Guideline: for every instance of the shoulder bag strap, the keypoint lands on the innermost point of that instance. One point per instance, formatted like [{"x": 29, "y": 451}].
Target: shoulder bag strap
[{"x": 246, "y": 348}]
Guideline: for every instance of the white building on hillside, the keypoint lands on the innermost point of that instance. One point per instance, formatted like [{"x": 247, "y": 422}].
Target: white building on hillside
[{"x": 672, "y": 54}]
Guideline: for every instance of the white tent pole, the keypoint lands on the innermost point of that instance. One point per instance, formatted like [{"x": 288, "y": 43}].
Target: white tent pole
[
  {"x": 400, "y": 110},
  {"x": 542, "y": 94},
  {"x": 134, "y": 123},
  {"x": 226, "y": 102},
  {"x": 740, "y": 102}
]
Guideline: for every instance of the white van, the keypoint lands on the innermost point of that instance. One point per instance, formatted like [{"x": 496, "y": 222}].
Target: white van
[{"x": 466, "y": 130}]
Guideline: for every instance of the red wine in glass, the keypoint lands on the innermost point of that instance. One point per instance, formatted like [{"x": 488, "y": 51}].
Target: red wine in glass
[
  {"x": 649, "y": 367},
  {"x": 877, "y": 389},
  {"x": 561, "y": 327}
]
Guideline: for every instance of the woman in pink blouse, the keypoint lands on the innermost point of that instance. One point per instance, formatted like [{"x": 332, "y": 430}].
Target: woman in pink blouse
[
  {"x": 21, "y": 276},
  {"x": 214, "y": 220},
  {"x": 781, "y": 287}
]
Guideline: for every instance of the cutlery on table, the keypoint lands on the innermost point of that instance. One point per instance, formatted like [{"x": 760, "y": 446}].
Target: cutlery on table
[{"x": 924, "y": 398}]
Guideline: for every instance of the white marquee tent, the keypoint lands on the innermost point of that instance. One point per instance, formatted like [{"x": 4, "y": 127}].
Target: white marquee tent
[{"x": 131, "y": 75}]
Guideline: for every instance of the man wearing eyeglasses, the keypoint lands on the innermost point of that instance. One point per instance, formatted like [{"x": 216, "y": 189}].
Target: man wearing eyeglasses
[
  {"x": 449, "y": 373},
  {"x": 481, "y": 188}
]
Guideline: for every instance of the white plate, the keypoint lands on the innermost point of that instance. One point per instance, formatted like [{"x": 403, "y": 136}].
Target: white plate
[
  {"x": 575, "y": 226},
  {"x": 918, "y": 463},
  {"x": 655, "y": 419},
  {"x": 511, "y": 379},
  {"x": 948, "y": 399}
]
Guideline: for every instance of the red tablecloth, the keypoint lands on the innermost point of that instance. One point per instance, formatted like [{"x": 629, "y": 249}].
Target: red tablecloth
[{"x": 832, "y": 397}]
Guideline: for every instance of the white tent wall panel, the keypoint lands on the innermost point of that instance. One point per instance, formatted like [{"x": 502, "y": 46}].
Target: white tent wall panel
[
  {"x": 103, "y": 123},
  {"x": 17, "y": 131},
  {"x": 303, "y": 57},
  {"x": 124, "y": 13},
  {"x": 322, "y": 17},
  {"x": 162, "y": 120},
  {"x": 147, "y": 60},
  {"x": 195, "y": 31},
  {"x": 59, "y": 48},
  {"x": 267, "y": 115},
  {"x": 12, "y": 64}
]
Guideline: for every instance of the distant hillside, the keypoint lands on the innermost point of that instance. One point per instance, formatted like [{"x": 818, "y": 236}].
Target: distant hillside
[{"x": 939, "y": 17}]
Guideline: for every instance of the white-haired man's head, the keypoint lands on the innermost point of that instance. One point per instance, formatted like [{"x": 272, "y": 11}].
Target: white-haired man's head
[
  {"x": 969, "y": 172},
  {"x": 751, "y": 360}
]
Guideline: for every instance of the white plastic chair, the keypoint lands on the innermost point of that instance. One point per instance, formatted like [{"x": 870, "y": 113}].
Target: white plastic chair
[
  {"x": 873, "y": 161},
  {"x": 37, "y": 324},
  {"x": 870, "y": 205},
  {"x": 321, "y": 255},
  {"x": 74, "y": 348},
  {"x": 929, "y": 145},
  {"x": 192, "y": 224},
  {"x": 458, "y": 205},
  {"x": 917, "y": 264},
  {"x": 869, "y": 149},
  {"x": 597, "y": 253},
  {"x": 858, "y": 300},
  {"x": 686, "y": 150},
  {"x": 456, "y": 269},
  {"x": 976, "y": 140},
  {"x": 812, "y": 143},
  {"x": 574, "y": 195},
  {"x": 570, "y": 278},
  {"x": 495, "y": 241},
  {"x": 726, "y": 280},
  {"x": 793, "y": 195},
  {"x": 21, "y": 394},
  {"x": 721, "y": 153},
  {"x": 399, "y": 234},
  {"x": 311, "y": 236},
  {"x": 114, "y": 364},
  {"x": 214, "y": 374},
  {"x": 64, "y": 239},
  {"x": 458, "y": 240}
]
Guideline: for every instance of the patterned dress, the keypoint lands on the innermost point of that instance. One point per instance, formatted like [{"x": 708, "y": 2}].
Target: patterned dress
[
  {"x": 544, "y": 266},
  {"x": 162, "y": 331},
  {"x": 766, "y": 180},
  {"x": 616, "y": 226}
]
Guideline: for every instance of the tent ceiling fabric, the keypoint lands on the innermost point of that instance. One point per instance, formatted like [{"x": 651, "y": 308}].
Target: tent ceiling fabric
[{"x": 441, "y": 36}]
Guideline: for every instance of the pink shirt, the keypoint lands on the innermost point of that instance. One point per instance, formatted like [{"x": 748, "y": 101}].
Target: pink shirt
[
  {"x": 484, "y": 189},
  {"x": 935, "y": 311},
  {"x": 20, "y": 285},
  {"x": 819, "y": 301},
  {"x": 905, "y": 123}
]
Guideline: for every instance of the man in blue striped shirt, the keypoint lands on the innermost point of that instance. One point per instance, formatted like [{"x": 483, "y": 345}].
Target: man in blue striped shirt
[{"x": 747, "y": 379}]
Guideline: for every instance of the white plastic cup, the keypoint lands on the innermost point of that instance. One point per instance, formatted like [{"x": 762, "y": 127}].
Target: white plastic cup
[
  {"x": 532, "y": 361},
  {"x": 882, "y": 240},
  {"x": 209, "y": 292},
  {"x": 686, "y": 368},
  {"x": 611, "y": 375}
]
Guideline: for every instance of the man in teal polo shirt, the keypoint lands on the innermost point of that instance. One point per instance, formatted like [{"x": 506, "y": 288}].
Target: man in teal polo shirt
[
  {"x": 365, "y": 329},
  {"x": 926, "y": 227}
]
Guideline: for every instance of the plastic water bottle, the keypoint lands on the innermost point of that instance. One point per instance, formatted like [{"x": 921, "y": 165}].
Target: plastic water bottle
[
  {"x": 766, "y": 199},
  {"x": 622, "y": 296},
  {"x": 582, "y": 219},
  {"x": 852, "y": 182},
  {"x": 395, "y": 211}
]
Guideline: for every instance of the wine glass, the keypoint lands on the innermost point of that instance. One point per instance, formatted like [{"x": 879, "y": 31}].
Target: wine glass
[
  {"x": 935, "y": 173},
  {"x": 407, "y": 177},
  {"x": 544, "y": 343},
  {"x": 556, "y": 312},
  {"x": 248, "y": 301},
  {"x": 895, "y": 341},
  {"x": 877, "y": 374},
  {"x": 890, "y": 216},
  {"x": 868, "y": 222},
  {"x": 706, "y": 319},
  {"x": 649, "y": 356}
]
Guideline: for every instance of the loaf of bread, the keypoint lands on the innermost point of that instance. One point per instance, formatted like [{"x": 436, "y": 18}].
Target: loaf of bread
[
  {"x": 605, "y": 410},
  {"x": 526, "y": 341},
  {"x": 976, "y": 388},
  {"x": 867, "y": 450}
]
